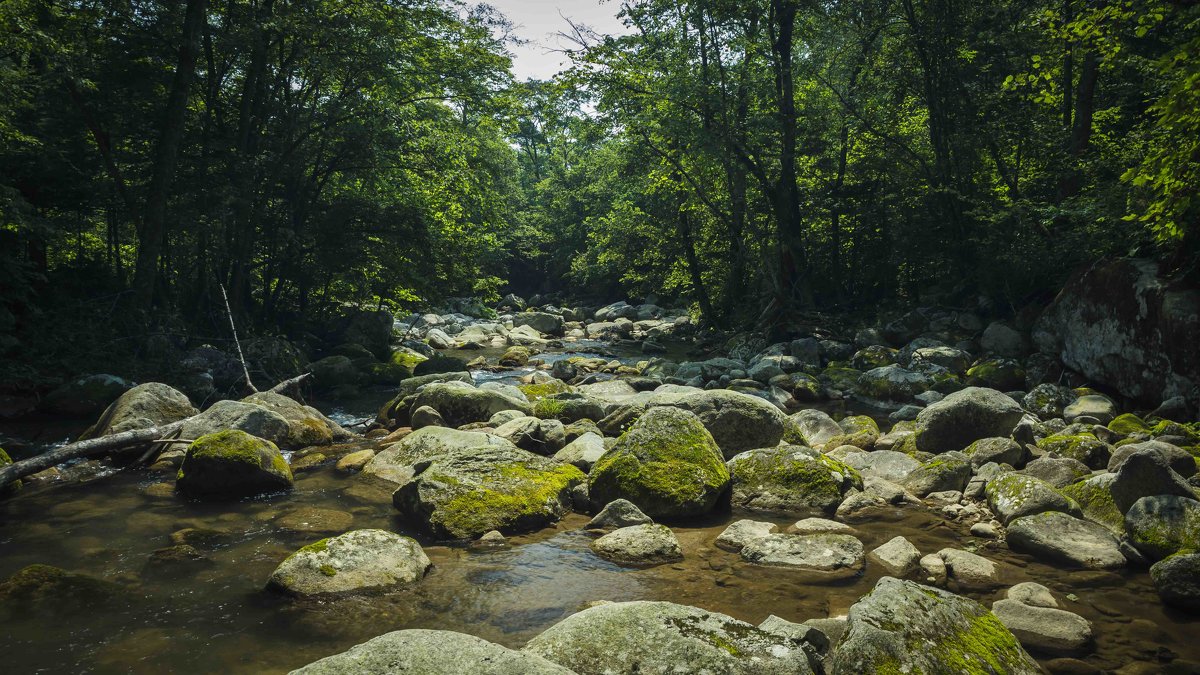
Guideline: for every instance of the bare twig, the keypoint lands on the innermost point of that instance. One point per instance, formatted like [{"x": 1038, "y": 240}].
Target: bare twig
[{"x": 233, "y": 328}]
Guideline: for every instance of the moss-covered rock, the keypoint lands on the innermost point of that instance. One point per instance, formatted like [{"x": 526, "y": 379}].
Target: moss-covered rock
[
  {"x": 469, "y": 491},
  {"x": 662, "y": 637},
  {"x": 1015, "y": 495},
  {"x": 358, "y": 561},
  {"x": 1164, "y": 525},
  {"x": 903, "y": 627},
  {"x": 333, "y": 372},
  {"x": 397, "y": 463},
  {"x": 232, "y": 464},
  {"x": 431, "y": 652},
  {"x": 949, "y": 471},
  {"x": 460, "y": 403},
  {"x": 874, "y": 356},
  {"x": 841, "y": 378},
  {"x": 1001, "y": 374},
  {"x": 47, "y": 590},
  {"x": 307, "y": 426},
  {"x": 1084, "y": 447},
  {"x": 667, "y": 464},
  {"x": 1127, "y": 424},
  {"x": 1096, "y": 500},
  {"x": 540, "y": 390},
  {"x": 12, "y": 487},
  {"x": 1048, "y": 400},
  {"x": 790, "y": 479},
  {"x": 860, "y": 431},
  {"x": 398, "y": 409},
  {"x": 438, "y": 364},
  {"x": 85, "y": 396},
  {"x": 737, "y": 422}
]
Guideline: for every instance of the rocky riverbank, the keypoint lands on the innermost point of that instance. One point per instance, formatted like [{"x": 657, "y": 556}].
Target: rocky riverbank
[{"x": 799, "y": 464}]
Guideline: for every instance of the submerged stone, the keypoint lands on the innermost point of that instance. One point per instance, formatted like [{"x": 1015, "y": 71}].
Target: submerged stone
[{"x": 362, "y": 560}]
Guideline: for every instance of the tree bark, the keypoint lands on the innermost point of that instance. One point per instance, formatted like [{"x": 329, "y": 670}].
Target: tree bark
[{"x": 152, "y": 229}]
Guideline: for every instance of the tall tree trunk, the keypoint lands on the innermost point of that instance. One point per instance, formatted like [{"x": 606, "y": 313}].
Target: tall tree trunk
[
  {"x": 688, "y": 240},
  {"x": 1081, "y": 131},
  {"x": 152, "y": 229}
]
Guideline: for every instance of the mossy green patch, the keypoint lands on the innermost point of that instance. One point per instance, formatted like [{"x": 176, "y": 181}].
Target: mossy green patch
[
  {"x": 1096, "y": 501},
  {"x": 1128, "y": 423},
  {"x": 518, "y": 496},
  {"x": 788, "y": 479},
  {"x": 534, "y": 392},
  {"x": 549, "y": 409}
]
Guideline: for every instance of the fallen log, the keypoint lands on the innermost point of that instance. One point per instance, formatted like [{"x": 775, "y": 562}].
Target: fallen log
[
  {"x": 158, "y": 437},
  {"x": 93, "y": 446}
]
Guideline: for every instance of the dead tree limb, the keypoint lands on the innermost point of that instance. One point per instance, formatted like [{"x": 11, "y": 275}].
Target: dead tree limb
[
  {"x": 93, "y": 446},
  {"x": 237, "y": 343}
]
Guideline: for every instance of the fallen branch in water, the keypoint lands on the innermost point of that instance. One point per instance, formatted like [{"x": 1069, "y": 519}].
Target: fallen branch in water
[{"x": 158, "y": 437}]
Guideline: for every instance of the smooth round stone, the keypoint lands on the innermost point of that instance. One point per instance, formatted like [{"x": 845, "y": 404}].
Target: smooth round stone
[{"x": 825, "y": 557}]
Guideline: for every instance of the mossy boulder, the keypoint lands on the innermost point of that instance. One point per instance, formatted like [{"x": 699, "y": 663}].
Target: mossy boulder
[
  {"x": 1001, "y": 374},
  {"x": 1084, "y": 447},
  {"x": 904, "y": 627},
  {"x": 1177, "y": 580},
  {"x": 874, "y": 356},
  {"x": 354, "y": 562},
  {"x": 469, "y": 491},
  {"x": 1095, "y": 498},
  {"x": 399, "y": 407},
  {"x": 144, "y": 406},
  {"x": 663, "y": 637},
  {"x": 307, "y": 426},
  {"x": 667, "y": 464},
  {"x": 439, "y": 363},
  {"x": 1129, "y": 423},
  {"x": 964, "y": 417},
  {"x": 892, "y": 383},
  {"x": 232, "y": 464},
  {"x": 841, "y": 378},
  {"x": 252, "y": 418},
  {"x": 790, "y": 479},
  {"x": 998, "y": 450},
  {"x": 1164, "y": 525},
  {"x": 949, "y": 471},
  {"x": 1048, "y": 400},
  {"x": 397, "y": 463},
  {"x": 12, "y": 487},
  {"x": 47, "y": 590},
  {"x": 568, "y": 408},
  {"x": 460, "y": 403},
  {"x": 737, "y": 421},
  {"x": 540, "y": 390},
  {"x": 431, "y": 652},
  {"x": 860, "y": 431},
  {"x": 1015, "y": 495},
  {"x": 516, "y": 356}
]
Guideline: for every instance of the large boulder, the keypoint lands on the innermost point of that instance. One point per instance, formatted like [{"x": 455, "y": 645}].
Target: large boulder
[
  {"x": 232, "y": 464},
  {"x": 469, "y": 491},
  {"x": 1164, "y": 525},
  {"x": 431, "y": 652},
  {"x": 1146, "y": 473},
  {"x": 813, "y": 428},
  {"x": 645, "y": 544},
  {"x": 1047, "y": 630},
  {"x": 1177, "y": 580},
  {"x": 667, "y": 464},
  {"x": 1059, "y": 537},
  {"x": 362, "y": 560},
  {"x": 1121, "y": 324},
  {"x": 398, "y": 408},
  {"x": 144, "y": 406},
  {"x": 904, "y": 627},
  {"x": 550, "y": 324},
  {"x": 306, "y": 425},
  {"x": 663, "y": 637},
  {"x": 85, "y": 396},
  {"x": 460, "y": 403},
  {"x": 951, "y": 471},
  {"x": 738, "y": 422},
  {"x": 964, "y": 417},
  {"x": 1015, "y": 495},
  {"x": 251, "y": 418},
  {"x": 789, "y": 479},
  {"x": 397, "y": 462}
]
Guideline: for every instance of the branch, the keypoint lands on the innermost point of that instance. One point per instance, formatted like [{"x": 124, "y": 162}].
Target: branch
[{"x": 236, "y": 342}]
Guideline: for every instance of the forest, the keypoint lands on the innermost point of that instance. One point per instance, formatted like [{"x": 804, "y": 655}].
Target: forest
[
  {"x": 764, "y": 336},
  {"x": 748, "y": 159}
]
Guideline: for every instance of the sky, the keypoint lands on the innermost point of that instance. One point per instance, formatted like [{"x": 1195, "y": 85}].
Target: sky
[{"x": 539, "y": 21}]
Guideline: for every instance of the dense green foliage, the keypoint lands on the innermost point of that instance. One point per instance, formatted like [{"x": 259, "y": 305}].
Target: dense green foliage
[{"x": 754, "y": 158}]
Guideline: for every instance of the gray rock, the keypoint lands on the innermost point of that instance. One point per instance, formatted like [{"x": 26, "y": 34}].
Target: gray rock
[
  {"x": 1057, "y": 471},
  {"x": 1058, "y": 537},
  {"x": 362, "y": 560},
  {"x": 998, "y": 450},
  {"x": 1048, "y": 400},
  {"x": 739, "y": 533},
  {"x": 1044, "y": 629},
  {"x": 883, "y": 627},
  {"x": 737, "y": 422},
  {"x": 819, "y": 557},
  {"x": 460, "y": 403},
  {"x": 431, "y": 652},
  {"x": 886, "y": 464},
  {"x": 1145, "y": 473},
  {"x": 898, "y": 557},
  {"x": 788, "y": 479},
  {"x": 1015, "y": 495},
  {"x": 542, "y": 437},
  {"x": 648, "y": 544},
  {"x": 550, "y": 324},
  {"x": 397, "y": 462},
  {"x": 1163, "y": 525},
  {"x": 1095, "y": 406},
  {"x": 426, "y": 417},
  {"x": 248, "y": 417},
  {"x": 1001, "y": 340},
  {"x": 968, "y": 570},
  {"x": 617, "y": 514},
  {"x": 307, "y": 426},
  {"x": 814, "y": 428},
  {"x": 1177, "y": 580},
  {"x": 1032, "y": 594},
  {"x": 662, "y": 637},
  {"x": 950, "y": 471},
  {"x": 820, "y": 526},
  {"x": 667, "y": 464},
  {"x": 934, "y": 569},
  {"x": 964, "y": 417},
  {"x": 582, "y": 452},
  {"x": 142, "y": 407},
  {"x": 1177, "y": 458},
  {"x": 892, "y": 383},
  {"x": 954, "y": 360}
]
